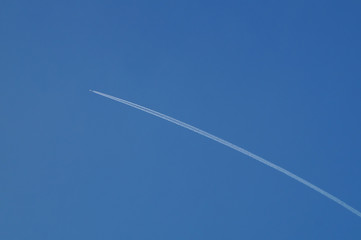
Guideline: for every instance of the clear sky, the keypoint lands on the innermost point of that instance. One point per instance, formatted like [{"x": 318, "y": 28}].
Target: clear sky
[{"x": 281, "y": 79}]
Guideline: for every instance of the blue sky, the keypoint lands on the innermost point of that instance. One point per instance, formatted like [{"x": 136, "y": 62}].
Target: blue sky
[{"x": 281, "y": 79}]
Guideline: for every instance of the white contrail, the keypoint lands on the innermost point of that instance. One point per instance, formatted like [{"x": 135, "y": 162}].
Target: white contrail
[{"x": 235, "y": 147}]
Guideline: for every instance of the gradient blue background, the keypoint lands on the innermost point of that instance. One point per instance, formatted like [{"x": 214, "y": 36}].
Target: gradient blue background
[{"x": 281, "y": 79}]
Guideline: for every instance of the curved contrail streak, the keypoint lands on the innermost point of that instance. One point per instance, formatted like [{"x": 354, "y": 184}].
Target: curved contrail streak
[{"x": 235, "y": 147}]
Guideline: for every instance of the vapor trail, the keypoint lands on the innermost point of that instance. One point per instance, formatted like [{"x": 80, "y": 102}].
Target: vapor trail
[{"x": 235, "y": 147}]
